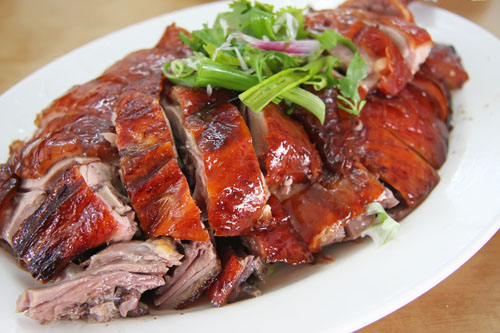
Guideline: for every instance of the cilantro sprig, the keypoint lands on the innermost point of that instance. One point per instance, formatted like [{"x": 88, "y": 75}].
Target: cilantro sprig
[{"x": 269, "y": 57}]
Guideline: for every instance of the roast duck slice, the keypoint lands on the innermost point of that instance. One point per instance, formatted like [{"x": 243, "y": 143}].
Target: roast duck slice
[{"x": 180, "y": 169}]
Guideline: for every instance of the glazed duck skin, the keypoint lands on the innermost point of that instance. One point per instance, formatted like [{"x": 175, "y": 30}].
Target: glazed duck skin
[
  {"x": 158, "y": 190},
  {"x": 344, "y": 139},
  {"x": 232, "y": 190},
  {"x": 79, "y": 204},
  {"x": 237, "y": 268},
  {"x": 322, "y": 212},
  {"x": 216, "y": 189},
  {"x": 79, "y": 124},
  {"x": 285, "y": 153},
  {"x": 387, "y": 69},
  {"x": 413, "y": 42},
  {"x": 396, "y": 164},
  {"x": 277, "y": 240},
  {"x": 411, "y": 118},
  {"x": 84, "y": 137}
]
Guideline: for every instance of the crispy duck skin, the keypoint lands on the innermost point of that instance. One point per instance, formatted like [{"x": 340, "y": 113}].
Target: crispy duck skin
[
  {"x": 80, "y": 122},
  {"x": 99, "y": 96},
  {"x": 146, "y": 65},
  {"x": 445, "y": 66},
  {"x": 237, "y": 267},
  {"x": 436, "y": 93},
  {"x": 345, "y": 138},
  {"x": 412, "y": 41},
  {"x": 321, "y": 212},
  {"x": 95, "y": 98},
  {"x": 45, "y": 242},
  {"x": 277, "y": 240},
  {"x": 395, "y": 8},
  {"x": 396, "y": 164},
  {"x": 285, "y": 153},
  {"x": 394, "y": 74},
  {"x": 157, "y": 188},
  {"x": 83, "y": 137},
  {"x": 229, "y": 184},
  {"x": 410, "y": 117},
  {"x": 387, "y": 69}
]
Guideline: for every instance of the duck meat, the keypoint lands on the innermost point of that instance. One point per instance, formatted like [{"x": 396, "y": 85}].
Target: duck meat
[
  {"x": 157, "y": 188},
  {"x": 323, "y": 213},
  {"x": 285, "y": 153},
  {"x": 109, "y": 285},
  {"x": 84, "y": 202},
  {"x": 277, "y": 240},
  {"x": 232, "y": 191},
  {"x": 185, "y": 283},
  {"x": 240, "y": 274}
]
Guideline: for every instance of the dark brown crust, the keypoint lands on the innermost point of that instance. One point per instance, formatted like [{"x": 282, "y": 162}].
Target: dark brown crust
[
  {"x": 290, "y": 154},
  {"x": 236, "y": 188},
  {"x": 70, "y": 221},
  {"x": 278, "y": 241},
  {"x": 158, "y": 190},
  {"x": 321, "y": 212},
  {"x": 445, "y": 66}
]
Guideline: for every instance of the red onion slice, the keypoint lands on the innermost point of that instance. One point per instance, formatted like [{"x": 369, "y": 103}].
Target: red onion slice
[{"x": 294, "y": 47}]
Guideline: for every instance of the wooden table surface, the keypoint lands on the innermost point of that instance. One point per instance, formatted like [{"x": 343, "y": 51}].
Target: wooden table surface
[{"x": 33, "y": 33}]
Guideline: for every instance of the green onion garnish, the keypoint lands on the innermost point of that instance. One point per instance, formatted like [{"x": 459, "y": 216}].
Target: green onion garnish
[{"x": 268, "y": 56}]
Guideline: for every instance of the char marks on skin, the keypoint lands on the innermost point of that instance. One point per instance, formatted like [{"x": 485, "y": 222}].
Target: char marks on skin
[
  {"x": 157, "y": 188},
  {"x": 106, "y": 287},
  {"x": 229, "y": 184},
  {"x": 81, "y": 204}
]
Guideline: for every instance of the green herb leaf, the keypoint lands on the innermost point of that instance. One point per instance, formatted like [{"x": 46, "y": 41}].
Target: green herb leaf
[
  {"x": 262, "y": 23},
  {"x": 225, "y": 57},
  {"x": 348, "y": 86},
  {"x": 330, "y": 38}
]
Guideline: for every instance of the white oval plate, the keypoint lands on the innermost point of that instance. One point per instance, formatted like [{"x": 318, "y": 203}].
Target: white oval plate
[{"x": 364, "y": 283}]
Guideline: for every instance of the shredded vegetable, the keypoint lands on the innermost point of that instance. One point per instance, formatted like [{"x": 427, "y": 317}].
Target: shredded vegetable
[
  {"x": 384, "y": 228},
  {"x": 268, "y": 56}
]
